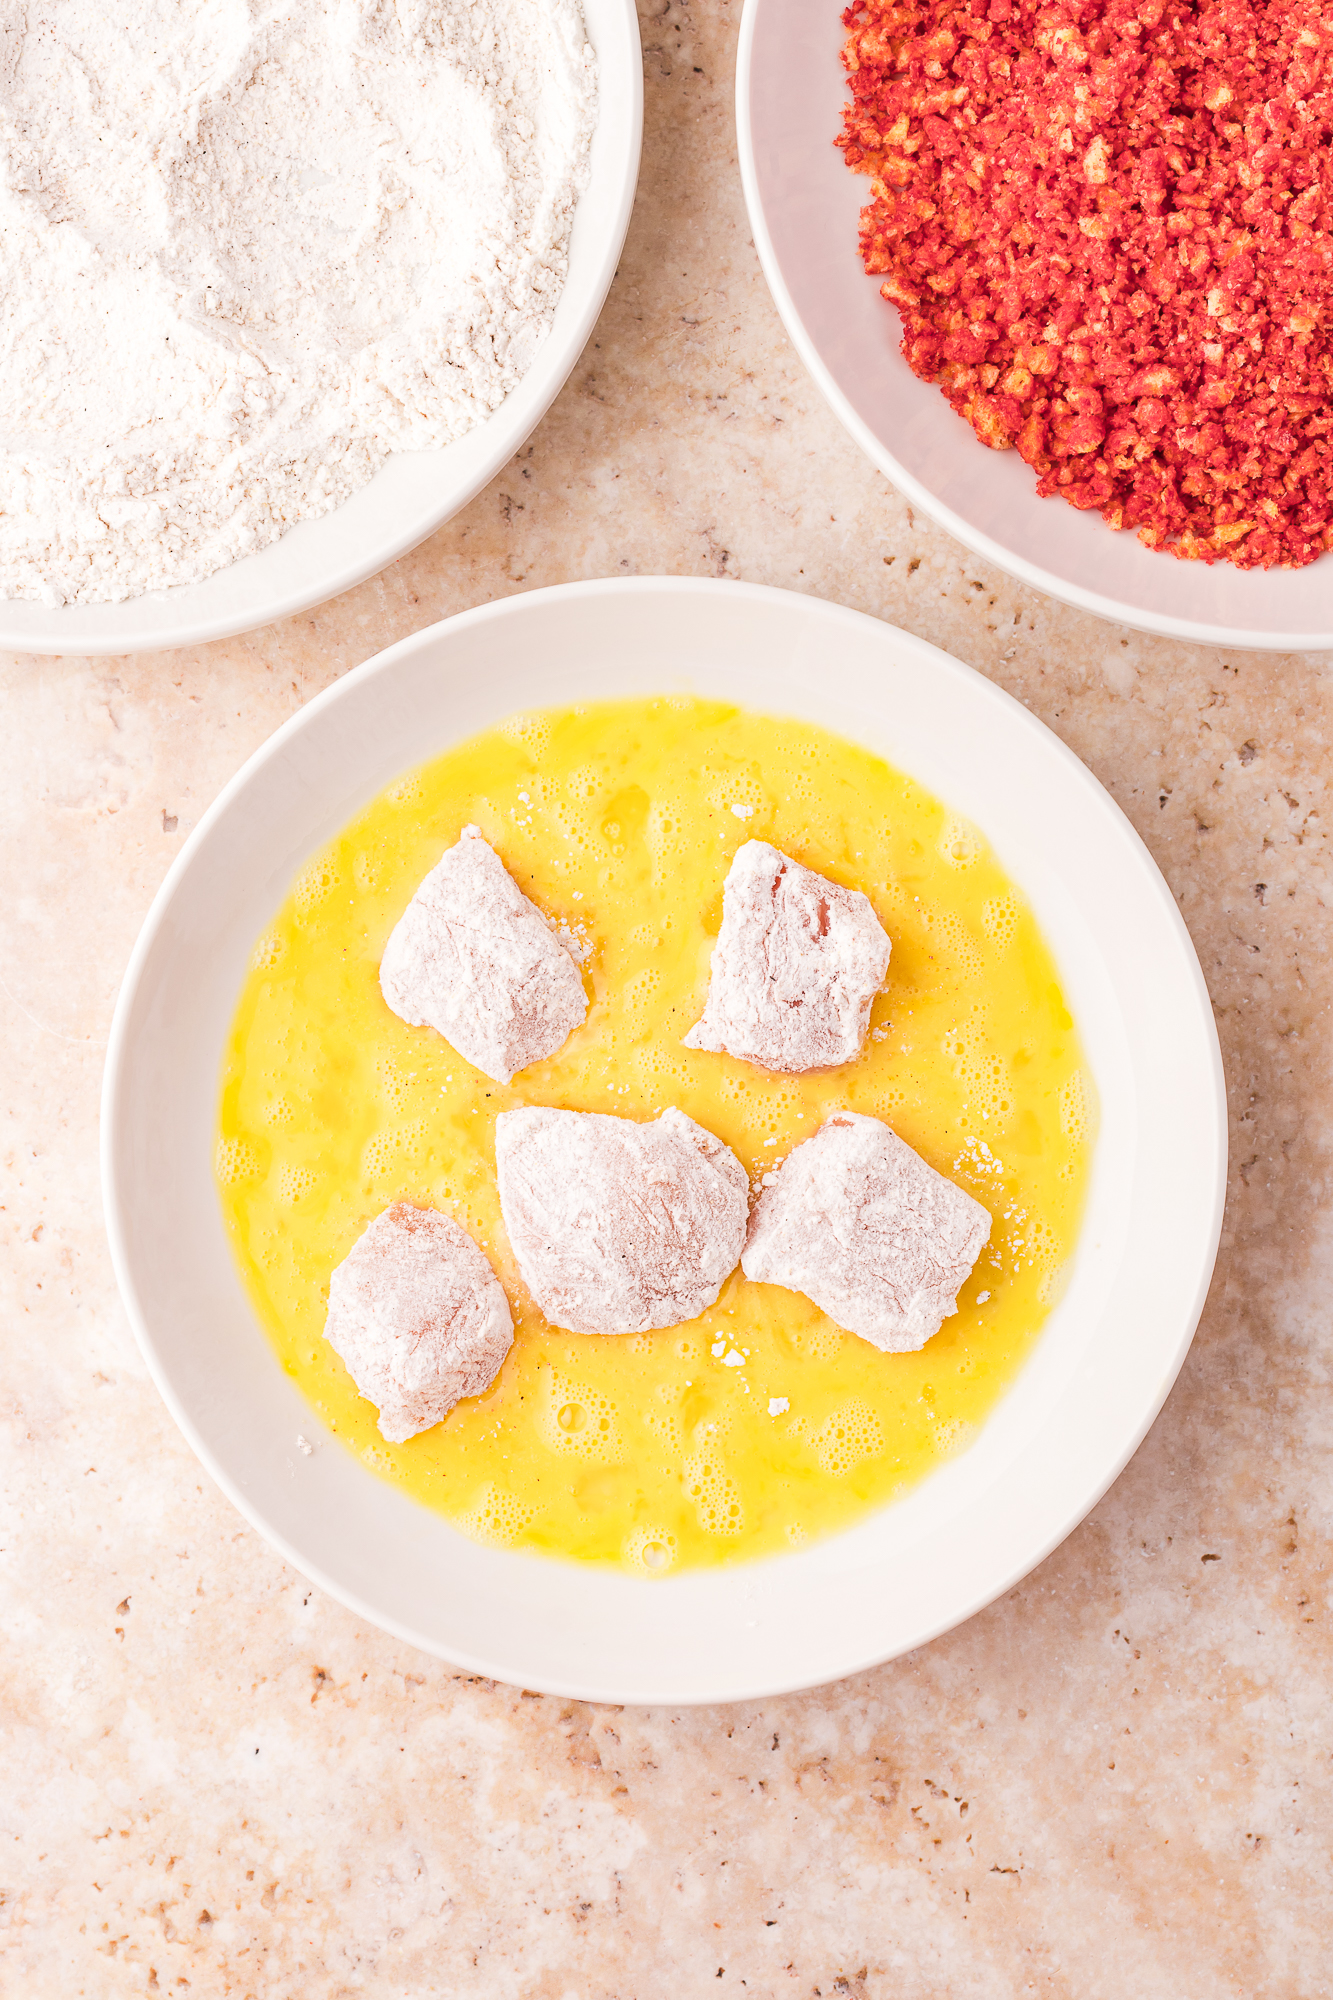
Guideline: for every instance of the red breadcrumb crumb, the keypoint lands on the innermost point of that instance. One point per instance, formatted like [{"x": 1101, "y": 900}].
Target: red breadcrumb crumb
[{"x": 1105, "y": 224}]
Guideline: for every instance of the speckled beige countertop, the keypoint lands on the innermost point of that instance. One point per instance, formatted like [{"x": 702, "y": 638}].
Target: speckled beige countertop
[{"x": 1113, "y": 1785}]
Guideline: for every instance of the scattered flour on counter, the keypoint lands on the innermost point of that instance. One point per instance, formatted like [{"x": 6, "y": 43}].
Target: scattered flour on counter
[{"x": 247, "y": 252}]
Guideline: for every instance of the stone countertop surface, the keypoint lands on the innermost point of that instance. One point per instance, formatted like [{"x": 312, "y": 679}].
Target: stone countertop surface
[{"x": 1114, "y": 1784}]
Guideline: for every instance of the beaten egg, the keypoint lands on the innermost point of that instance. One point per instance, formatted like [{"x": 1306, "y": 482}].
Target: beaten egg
[{"x": 761, "y": 1425}]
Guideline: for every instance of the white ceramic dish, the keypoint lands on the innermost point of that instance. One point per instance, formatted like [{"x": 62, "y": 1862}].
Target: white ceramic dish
[
  {"x": 803, "y": 207},
  {"x": 416, "y": 492},
  {"x": 1109, "y": 1352}
]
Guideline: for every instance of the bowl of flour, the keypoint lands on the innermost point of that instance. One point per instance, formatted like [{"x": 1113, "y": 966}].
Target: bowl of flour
[{"x": 282, "y": 291}]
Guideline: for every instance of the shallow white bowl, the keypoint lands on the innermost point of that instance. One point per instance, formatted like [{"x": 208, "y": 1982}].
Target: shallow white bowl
[
  {"x": 803, "y": 207},
  {"x": 1103, "y": 1364},
  {"x": 416, "y": 491}
]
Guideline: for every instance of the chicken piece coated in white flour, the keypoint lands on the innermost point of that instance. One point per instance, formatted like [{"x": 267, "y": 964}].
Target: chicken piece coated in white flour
[
  {"x": 472, "y": 958},
  {"x": 419, "y": 1318},
  {"x": 619, "y": 1227},
  {"x": 796, "y": 965},
  {"x": 863, "y": 1226}
]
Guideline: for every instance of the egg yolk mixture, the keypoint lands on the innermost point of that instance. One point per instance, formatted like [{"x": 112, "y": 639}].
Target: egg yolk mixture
[{"x": 761, "y": 1425}]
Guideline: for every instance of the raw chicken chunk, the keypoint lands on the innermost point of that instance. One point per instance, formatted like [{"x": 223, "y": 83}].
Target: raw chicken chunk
[
  {"x": 419, "y": 1318},
  {"x": 619, "y": 1227},
  {"x": 795, "y": 967},
  {"x": 863, "y": 1226},
  {"x": 472, "y": 958}
]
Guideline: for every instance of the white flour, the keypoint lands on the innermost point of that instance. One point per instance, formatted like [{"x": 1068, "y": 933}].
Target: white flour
[{"x": 248, "y": 251}]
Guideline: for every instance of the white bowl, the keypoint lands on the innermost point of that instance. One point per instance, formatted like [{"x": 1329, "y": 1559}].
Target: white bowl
[
  {"x": 416, "y": 491},
  {"x": 803, "y": 205},
  {"x": 1108, "y": 1353}
]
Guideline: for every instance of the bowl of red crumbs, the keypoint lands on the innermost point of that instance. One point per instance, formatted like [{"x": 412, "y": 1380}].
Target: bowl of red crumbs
[{"x": 1065, "y": 271}]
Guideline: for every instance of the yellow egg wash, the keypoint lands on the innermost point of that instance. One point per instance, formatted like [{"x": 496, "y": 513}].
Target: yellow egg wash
[{"x": 760, "y": 1426}]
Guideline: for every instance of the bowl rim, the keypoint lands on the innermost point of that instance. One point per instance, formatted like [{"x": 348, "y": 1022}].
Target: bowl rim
[
  {"x": 110, "y": 629},
  {"x": 1115, "y": 611},
  {"x": 158, "y": 920}
]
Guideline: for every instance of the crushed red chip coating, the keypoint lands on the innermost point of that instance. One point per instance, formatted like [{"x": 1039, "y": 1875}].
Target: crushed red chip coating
[{"x": 1106, "y": 226}]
